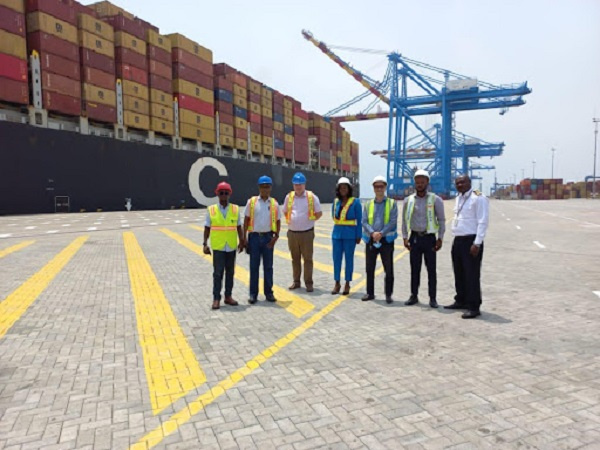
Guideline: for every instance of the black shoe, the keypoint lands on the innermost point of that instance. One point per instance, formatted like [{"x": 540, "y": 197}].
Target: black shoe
[
  {"x": 389, "y": 299},
  {"x": 252, "y": 300},
  {"x": 271, "y": 298},
  {"x": 455, "y": 306},
  {"x": 433, "y": 303},
  {"x": 367, "y": 297},
  {"x": 471, "y": 314},
  {"x": 413, "y": 299}
]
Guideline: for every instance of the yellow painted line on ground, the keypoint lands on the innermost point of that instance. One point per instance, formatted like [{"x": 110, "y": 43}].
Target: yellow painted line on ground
[
  {"x": 15, "y": 305},
  {"x": 317, "y": 265},
  {"x": 15, "y": 248},
  {"x": 172, "y": 424},
  {"x": 292, "y": 303},
  {"x": 328, "y": 247},
  {"x": 172, "y": 369}
]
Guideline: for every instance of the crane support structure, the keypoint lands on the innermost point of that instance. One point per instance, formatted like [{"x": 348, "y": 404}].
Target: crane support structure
[{"x": 440, "y": 92}]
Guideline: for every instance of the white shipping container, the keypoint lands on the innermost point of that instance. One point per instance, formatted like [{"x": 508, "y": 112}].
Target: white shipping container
[{"x": 461, "y": 85}]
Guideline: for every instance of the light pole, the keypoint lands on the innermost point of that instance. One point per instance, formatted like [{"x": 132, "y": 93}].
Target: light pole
[
  {"x": 552, "y": 172},
  {"x": 596, "y": 121},
  {"x": 533, "y": 164}
]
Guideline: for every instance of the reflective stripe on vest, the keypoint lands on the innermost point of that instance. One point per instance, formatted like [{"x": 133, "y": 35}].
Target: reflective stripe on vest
[
  {"x": 386, "y": 216},
  {"x": 311, "y": 206},
  {"x": 343, "y": 213},
  {"x": 274, "y": 206},
  {"x": 223, "y": 230},
  {"x": 432, "y": 223}
]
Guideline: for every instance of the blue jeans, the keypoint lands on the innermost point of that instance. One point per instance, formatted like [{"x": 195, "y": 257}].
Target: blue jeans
[
  {"x": 343, "y": 248},
  {"x": 257, "y": 246}
]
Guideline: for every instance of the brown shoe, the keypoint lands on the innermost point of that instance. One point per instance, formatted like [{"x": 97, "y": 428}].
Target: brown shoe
[
  {"x": 309, "y": 288},
  {"x": 294, "y": 285},
  {"x": 346, "y": 289},
  {"x": 230, "y": 301},
  {"x": 216, "y": 304},
  {"x": 336, "y": 288}
]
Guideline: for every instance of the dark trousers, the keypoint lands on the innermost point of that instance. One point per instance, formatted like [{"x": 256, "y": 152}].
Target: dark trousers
[
  {"x": 223, "y": 262},
  {"x": 387, "y": 259},
  {"x": 467, "y": 272},
  {"x": 423, "y": 247},
  {"x": 257, "y": 247}
]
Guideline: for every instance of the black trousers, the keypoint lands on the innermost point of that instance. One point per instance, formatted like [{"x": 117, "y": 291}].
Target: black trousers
[
  {"x": 467, "y": 272},
  {"x": 423, "y": 247},
  {"x": 223, "y": 262},
  {"x": 387, "y": 259}
]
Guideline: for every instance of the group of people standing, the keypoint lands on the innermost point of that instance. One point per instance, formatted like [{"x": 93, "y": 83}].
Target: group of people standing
[{"x": 375, "y": 223}]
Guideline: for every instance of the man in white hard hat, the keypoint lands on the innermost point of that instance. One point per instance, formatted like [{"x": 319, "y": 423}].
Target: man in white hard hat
[
  {"x": 380, "y": 224},
  {"x": 423, "y": 227}
]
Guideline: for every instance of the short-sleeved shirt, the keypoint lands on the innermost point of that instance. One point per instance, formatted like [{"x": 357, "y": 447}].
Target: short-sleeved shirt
[
  {"x": 223, "y": 210},
  {"x": 262, "y": 214},
  {"x": 299, "y": 220}
]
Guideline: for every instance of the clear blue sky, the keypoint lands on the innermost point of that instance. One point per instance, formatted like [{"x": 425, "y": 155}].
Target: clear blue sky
[{"x": 554, "y": 45}]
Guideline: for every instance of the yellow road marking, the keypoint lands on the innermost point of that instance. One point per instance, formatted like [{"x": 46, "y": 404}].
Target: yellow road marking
[
  {"x": 15, "y": 248},
  {"x": 317, "y": 265},
  {"x": 171, "y": 366},
  {"x": 329, "y": 247},
  {"x": 171, "y": 425},
  {"x": 15, "y": 305},
  {"x": 292, "y": 303}
]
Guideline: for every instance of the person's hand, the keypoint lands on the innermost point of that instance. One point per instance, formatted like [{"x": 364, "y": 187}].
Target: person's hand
[
  {"x": 241, "y": 246},
  {"x": 272, "y": 242},
  {"x": 474, "y": 250},
  {"x": 407, "y": 244},
  {"x": 438, "y": 245},
  {"x": 206, "y": 250},
  {"x": 358, "y": 240},
  {"x": 376, "y": 236}
]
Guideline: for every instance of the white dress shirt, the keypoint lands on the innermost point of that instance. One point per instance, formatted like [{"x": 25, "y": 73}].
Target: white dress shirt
[
  {"x": 262, "y": 214},
  {"x": 471, "y": 215},
  {"x": 299, "y": 220}
]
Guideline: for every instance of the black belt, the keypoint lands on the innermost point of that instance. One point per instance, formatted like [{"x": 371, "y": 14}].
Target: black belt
[
  {"x": 468, "y": 236},
  {"x": 262, "y": 234},
  {"x": 303, "y": 231},
  {"x": 422, "y": 233}
]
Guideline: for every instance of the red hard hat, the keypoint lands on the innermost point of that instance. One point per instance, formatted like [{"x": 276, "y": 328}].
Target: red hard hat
[{"x": 223, "y": 186}]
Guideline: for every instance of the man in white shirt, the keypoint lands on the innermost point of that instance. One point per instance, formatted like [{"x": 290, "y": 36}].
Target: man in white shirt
[{"x": 471, "y": 218}]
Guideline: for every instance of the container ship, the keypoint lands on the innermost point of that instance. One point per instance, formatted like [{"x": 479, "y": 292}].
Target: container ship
[{"x": 100, "y": 111}]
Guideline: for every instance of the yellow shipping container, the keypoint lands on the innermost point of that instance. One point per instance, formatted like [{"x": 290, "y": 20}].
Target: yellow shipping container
[
  {"x": 108, "y": 9},
  {"x": 240, "y": 123},
  {"x": 239, "y": 91},
  {"x": 225, "y": 129},
  {"x": 278, "y": 126},
  {"x": 13, "y": 45},
  {"x": 266, "y": 92},
  {"x": 39, "y": 21},
  {"x": 135, "y": 120},
  {"x": 267, "y": 112},
  {"x": 240, "y": 101},
  {"x": 267, "y": 140},
  {"x": 97, "y": 27},
  {"x": 161, "y": 98},
  {"x": 288, "y": 120},
  {"x": 267, "y": 150},
  {"x": 268, "y": 103},
  {"x": 226, "y": 140},
  {"x": 185, "y": 87},
  {"x": 254, "y": 107},
  {"x": 287, "y": 104},
  {"x": 136, "y": 104},
  {"x": 198, "y": 133},
  {"x": 161, "y": 111},
  {"x": 288, "y": 138},
  {"x": 256, "y": 147},
  {"x": 209, "y": 136},
  {"x": 135, "y": 89},
  {"x": 300, "y": 122},
  {"x": 96, "y": 43},
  {"x": 288, "y": 112},
  {"x": 15, "y": 5},
  {"x": 97, "y": 94},
  {"x": 162, "y": 126},
  {"x": 158, "y": 40},
  {"x": 123, "y": 39},
  {"x": 198, "y": 120},
  {"x": 254, "y": 87},
  {"x": 180, "y": 41},
  {"x": 256, "y": 138},
  {"x": 241, "y": 144}
]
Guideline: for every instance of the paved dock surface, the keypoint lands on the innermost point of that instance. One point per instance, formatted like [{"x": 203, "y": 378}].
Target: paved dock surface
[{"x": 107, "y": 341}]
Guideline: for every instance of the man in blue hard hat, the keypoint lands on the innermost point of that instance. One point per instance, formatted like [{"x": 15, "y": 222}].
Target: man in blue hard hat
[
  {"x": 302, "y": 209},
  {"x": 261, "y": 226}
]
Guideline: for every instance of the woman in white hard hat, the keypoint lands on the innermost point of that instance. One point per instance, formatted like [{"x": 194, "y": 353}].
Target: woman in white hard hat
[{"x": 346, "y": 212}]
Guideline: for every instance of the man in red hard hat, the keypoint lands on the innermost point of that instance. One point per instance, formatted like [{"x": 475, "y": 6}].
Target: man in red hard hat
[{"x": 224, "y": 227}]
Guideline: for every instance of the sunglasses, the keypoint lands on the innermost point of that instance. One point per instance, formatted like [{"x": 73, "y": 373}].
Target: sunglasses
[{"x": 223, "y": 192}]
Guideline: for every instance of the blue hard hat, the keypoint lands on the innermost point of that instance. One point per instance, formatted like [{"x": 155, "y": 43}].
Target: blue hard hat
[
  {"x": 299, "y": 178},
  {"x": 265, "y": 180}
]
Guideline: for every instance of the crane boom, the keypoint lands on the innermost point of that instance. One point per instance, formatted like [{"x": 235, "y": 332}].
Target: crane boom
[{"x": 358, "y": 117}]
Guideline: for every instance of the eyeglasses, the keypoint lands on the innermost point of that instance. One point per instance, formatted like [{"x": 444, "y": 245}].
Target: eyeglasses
[{"x": 223, "y": 192}]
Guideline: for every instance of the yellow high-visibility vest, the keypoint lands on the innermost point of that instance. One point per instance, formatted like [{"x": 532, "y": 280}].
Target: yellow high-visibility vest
[
  {"x": 311, "y": 206},
  {"x": 223, "y": 230},
  {"x": 274, "y": 207},
  {"x": 343, "y": 213},
  {"x": 386, "y": 215},
  {"x": 432, "y": 223}
]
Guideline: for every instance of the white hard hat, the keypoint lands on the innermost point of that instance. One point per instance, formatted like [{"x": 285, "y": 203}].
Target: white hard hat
[
  {"x": 421, "y": 173},
  {"x": 379, "y": 179},
  {"x": 344, "y": 180}
]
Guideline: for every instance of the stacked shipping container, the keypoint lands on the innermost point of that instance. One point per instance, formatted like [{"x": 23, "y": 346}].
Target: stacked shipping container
[
  {"x": 223, "y": 95},
  {"x": 160, "y": 82},
  {"x": 288, "y": 128},
  {"x": 14, "y": 85},
  {"x": 278, "y": 125},
  {"x": 266, "y": 108},
  {"x": 240, "y": 110},
  {"x": 255, "y": 116},
  {"x": 321, "y": 130},
  {"x": 300, "y": 127}
]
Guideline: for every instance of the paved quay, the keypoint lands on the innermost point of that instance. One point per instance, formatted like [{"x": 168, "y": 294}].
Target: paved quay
[{"x": 107, "y": 341}]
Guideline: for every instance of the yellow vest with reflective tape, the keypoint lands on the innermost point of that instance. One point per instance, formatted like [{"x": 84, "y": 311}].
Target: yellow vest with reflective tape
[
  {"x": 311, "y": 206},
  {"x": 274, "y": 207},
  {"x": 343, "y": 213},
  {"x": 223, "y": 230},
  {"x": 432, "y": 223},
  {"x": 386, "y": 216}
]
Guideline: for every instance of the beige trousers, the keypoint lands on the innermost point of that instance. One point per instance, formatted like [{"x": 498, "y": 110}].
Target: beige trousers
[{"x": 301, "y": 247}]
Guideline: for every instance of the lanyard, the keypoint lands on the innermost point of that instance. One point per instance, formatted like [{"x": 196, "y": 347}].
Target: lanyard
[{"x": 462, "y": 206}]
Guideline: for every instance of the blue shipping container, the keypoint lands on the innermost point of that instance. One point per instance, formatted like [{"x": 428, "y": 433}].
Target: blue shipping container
[
  {"x": 277, "y": 117},
  {"x": 223, "y": 95},
  {"x": 240, "y": 112},
  {"x": 288, "y": 129}
]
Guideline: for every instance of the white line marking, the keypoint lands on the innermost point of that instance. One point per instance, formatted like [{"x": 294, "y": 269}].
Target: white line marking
[
  {"x": 92, "y": 228},
  {"x": 30, "y": 228},
  {"x": 125, "y": 225},
  {"x": 2, "y": 236},
  {"x": 518, "y": 227},
  {"x": 97, "y": 223},
  {"x": 153, "y": 223},
  {"x": 67, "y": 225},
  {"x": 11, "y": 225},
  {"x": 178, "y": 221},
  {"x": 51, "y": 231},
  {"x": 508, "y": 218},
  {"x": 539, "y": 245},
  {"x": 147, "y": 220},
  {"x": 597, "y": 293},
  {"x": 45, "y": 223}
]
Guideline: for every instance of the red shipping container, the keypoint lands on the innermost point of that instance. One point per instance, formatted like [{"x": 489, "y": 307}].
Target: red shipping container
[
  {"x": 13, "y": 68},
  {"x": 55, "y": 8},
  {"x": 238, "y": 78},
  {"x": 44, "y": 42},
  {"x": 122, "y": 23},
  {"x": 279, "y": 135},
  {"x": 99, "y": 112},
  {"x": 301, "y": 155},
  {"x": 13, "y": 91},
  {"x": 12, "y": 21},
  {"x": 267, "y": 122},
  {"x": 253, "y": 97},
  {"x": 53, "y": 101},
  {"x": 226, "y": 118},
  {"x": 289, "y": 153},
  {"x": 279, "y": 153},
  {"x": 131, "y": 73},
  {"x": 125, "y": 56},
  {"x": 298, "y": 112},
  {"x": 240, "y": 133},
  {"x": 278, "y": 108},
  {"x": 97, "y": 61},
  {"x": 255, "y": 127},
  {"x": 223, "y": 83},
  {"x": 159, "y": 54},
  {"x": 295, "y": 103},
  {"x": 225, "y": 107},
  {"x": 193, "y": 104},
  {"x": 266, "y": 131},
  {"x": 160, "y": 69},
  {"x": 160, "y": 83},
  {"x": 193, "y": 76},
  {"x": 254, "y": 117},
  {"x": 277, "y": 98},
  {"x": 180, "y": 56},
  {"x": 60, "y": 66},
  {"x": 223, "y": 69},
  {"x": 98, "y": 78},
  {"x": 52, "y": 82},
  {"x": 81, "y": 9}
]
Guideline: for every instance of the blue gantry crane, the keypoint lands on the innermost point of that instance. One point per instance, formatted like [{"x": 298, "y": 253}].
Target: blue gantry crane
[{"x": 438, "y": 92}]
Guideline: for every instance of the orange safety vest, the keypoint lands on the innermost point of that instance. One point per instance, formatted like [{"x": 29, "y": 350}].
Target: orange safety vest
[
  {"x": 274, "y": 207},
  {"x": 343, "y": 213},
  {"x": 311, "y": 206}
]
